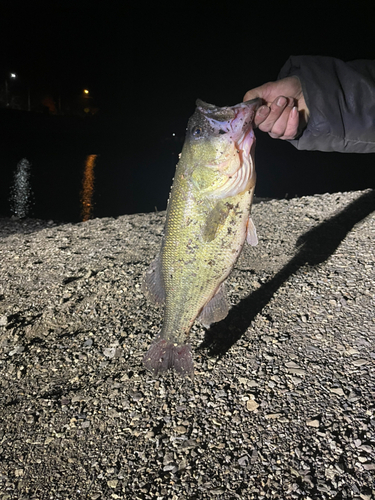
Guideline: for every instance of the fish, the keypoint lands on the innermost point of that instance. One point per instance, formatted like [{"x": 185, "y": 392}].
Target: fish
[{"x": 207, "y": 222}]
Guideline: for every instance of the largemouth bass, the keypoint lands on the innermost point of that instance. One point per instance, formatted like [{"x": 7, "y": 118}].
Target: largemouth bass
[{"x": 208, "y": 220}]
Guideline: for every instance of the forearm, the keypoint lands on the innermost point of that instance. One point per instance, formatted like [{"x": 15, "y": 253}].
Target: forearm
[{"x": 341, "y": 101}]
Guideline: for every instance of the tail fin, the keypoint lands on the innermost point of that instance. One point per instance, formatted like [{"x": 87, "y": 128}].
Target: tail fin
[{"x": 164, "y": 354}]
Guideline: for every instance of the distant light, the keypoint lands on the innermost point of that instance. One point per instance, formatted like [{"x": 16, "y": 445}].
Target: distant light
[
  {"x": 13, "y": 75},
  {"x": 85, "y": 91},
  {"x": 88, "y": 188},
  {"x": 173, "y": 134}
]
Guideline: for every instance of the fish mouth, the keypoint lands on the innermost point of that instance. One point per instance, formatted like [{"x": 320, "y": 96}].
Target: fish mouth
[
  {"x": 236, "y": 123},
  {"x": 235, "y": 120},
  {"x": 227, "y": 112},
  {"x": 257, "y": 102}
]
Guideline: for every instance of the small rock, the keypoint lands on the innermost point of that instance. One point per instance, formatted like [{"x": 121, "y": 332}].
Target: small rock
[
  {"x": 180, "y": 429},
  {"x": 313, "y": 423},
  {"x": 291, "y": 364},
  {"x": 368, "y": 466},
  {"x": 294, "y": 368},
  {"x": 16, "y": 350},
  {"x": 351, "y": 351},
  {"x": 109, "y": 352},
  {"x": 296, "y": 380},
  {"x": 170, "y": 467},
  {"x": 137, "y": 396},
  {"x": 297, "y": 371},
  {"x": 244, "y": 460},
  {"x": 359, "y": 362},
  {"x": 252, "y": 405},
  {"x": 252, "y": 383},
  {"x": 112, "y": 483},
  {"x": 338, "y": 391}
]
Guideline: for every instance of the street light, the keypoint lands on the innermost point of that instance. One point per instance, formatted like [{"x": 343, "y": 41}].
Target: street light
[{"x": 12, "y": 76}]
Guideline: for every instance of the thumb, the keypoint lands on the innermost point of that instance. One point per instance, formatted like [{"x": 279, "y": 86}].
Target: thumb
[{"x": 253, "y": 94}]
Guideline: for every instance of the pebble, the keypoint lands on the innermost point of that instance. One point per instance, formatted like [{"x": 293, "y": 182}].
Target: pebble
[
  {"x": 252, "y": 405},
  {"x": 112, "y": 483},
  {"x": 313, "y": 423},
  {"x": 337, "y": 390},
  {"x": 359, "y": 362}
]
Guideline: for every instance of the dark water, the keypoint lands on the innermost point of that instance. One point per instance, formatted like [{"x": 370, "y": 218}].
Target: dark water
[
  {"x": 131, "y": 174},
  {"x": 134, "y": 167}
]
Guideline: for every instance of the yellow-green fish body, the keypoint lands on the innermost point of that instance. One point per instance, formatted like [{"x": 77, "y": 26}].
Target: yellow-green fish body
[{"x": 208, "y": 220}]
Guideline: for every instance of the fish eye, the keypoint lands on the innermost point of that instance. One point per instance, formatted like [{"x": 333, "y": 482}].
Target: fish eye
[
  {"x": 221, "y": 131},
  {"x": 197, "y": 131}
]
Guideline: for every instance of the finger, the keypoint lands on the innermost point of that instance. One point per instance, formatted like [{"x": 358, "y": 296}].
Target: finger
[
  {"x": 268, "y": 92},
  {"x": 261, "y": 115},
  {"x": 276, "y": 110},
  {"x": 280, "y": 125},
  {"x": 291, "y": 129},
  {"x": 252, "y": 94}
]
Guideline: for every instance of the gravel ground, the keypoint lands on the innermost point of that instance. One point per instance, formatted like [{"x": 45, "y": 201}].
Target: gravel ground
[{"x": 282, "y": 401}]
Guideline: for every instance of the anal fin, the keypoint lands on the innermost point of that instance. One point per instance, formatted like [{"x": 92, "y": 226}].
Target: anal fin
[
  {"x": 153, "y": 285},
  {"x": 216, "y": 309}
]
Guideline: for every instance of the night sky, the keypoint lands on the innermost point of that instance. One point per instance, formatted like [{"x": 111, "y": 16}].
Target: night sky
[{"x": 145, "y": 66}]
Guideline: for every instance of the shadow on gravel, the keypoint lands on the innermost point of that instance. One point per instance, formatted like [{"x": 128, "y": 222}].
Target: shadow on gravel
[{"x": 314, "y": 247}]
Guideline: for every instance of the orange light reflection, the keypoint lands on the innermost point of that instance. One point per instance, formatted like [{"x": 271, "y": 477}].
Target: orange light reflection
[{"x": 88, "y": 188}]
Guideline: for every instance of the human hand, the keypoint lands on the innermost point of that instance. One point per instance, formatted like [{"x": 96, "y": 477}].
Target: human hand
[{"x": 285, "y": 112}]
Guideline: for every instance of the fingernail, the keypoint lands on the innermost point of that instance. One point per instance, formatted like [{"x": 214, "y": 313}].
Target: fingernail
[
  {"x": 294, "y": 112},
  {"x": 262, "y": 111},
  {"x": 281, "y": 101}
]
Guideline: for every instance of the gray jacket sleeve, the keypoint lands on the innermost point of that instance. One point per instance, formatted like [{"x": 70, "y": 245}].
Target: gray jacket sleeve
[{"x": 341, "y": 100}]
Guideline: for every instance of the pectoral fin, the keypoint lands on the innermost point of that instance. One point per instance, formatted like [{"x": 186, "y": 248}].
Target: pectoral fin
[
  {"x": 216, "y": 309},
  {"x": 153, "y": 285},
  {"x": 251, "y": 233},
  {"x": 215, "y": 221}
]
